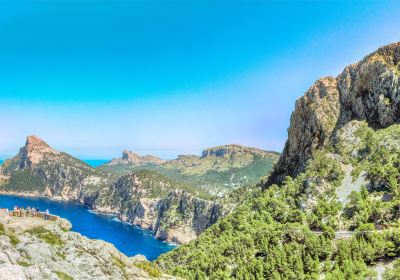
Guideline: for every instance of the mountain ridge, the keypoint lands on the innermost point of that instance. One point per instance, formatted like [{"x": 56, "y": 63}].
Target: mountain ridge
[
  {"x": 366, "y": 90},
  {"x": 339, "y": 172},
  {"x": 175, "y": 211}
]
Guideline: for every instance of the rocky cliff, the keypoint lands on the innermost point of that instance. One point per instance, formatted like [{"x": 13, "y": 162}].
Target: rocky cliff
[
  {"x": 217, "y": 171},
  {"x": 156, "y": 203},
  {"x": 32, "y": 248},
  {"x": 175, "y": 211},
  {"x": 129, "y": 157},
  {"x": 41, "y": 170},
  {"x": 235, "y": 150},
  {"x": 338, "y": 213},
  {"x": 368, "y": 90}
]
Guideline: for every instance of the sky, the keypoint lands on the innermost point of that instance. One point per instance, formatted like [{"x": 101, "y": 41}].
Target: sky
[{"x": 172, "y": 77}]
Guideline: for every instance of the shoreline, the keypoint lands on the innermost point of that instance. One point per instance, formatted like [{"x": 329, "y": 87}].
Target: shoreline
[{"x": 93, "y": 211}]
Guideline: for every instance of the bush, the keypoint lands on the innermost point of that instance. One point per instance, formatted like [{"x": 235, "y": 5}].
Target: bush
[
  {"x": 47, "y": 236},
  {"x": 151, "y": 268}
]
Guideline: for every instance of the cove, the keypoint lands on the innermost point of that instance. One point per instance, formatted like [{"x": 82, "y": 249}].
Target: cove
[{"x": 129, "y": 239}]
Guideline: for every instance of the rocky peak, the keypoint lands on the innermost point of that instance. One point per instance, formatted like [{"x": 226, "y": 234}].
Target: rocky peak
[
  {"x": 35, "y": 150},
  {"x": 129, "y": 157},
  {"x": 233, "y": 150},
  {"x": 368, "y": 90}
]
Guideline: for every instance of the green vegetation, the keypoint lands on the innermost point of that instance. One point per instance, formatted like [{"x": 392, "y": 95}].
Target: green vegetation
[
  {"x": 13, "y": 239},
  {"x": 378, "y": 154},
  {"x": 276, "y": 234},
  {"x": 24, "y": 180},
  {"x": 268, "y": 237},
  {"x": 61, "y": 255},
  {"x": 47, "y": 236},
  {"x": 160, "y": 185},
  {"x": 64, "y": 276},
  {"x": 120, "y": 264},
  {"x": 151, "y": 268},
  {"x": 23, "y": 263},
  {"x": 394, "y": 273},
  {"x": 205, "y": 176}
]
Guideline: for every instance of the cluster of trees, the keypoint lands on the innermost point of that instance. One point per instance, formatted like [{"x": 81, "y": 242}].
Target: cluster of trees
[
  {"x": 277, "y": 234},
  {"x": 378, "y": 154},
  {"x": 271, "y": 237}
]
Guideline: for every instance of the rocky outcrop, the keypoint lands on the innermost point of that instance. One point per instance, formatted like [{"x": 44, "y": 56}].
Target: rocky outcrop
[
  {"x": 216, "y": 172},
  {"x": 173, "y": 214},
  {"x": 34, "y": 151},
  {"x": 368, "y": 90},
  {"x": 220, "y": 159},
  {"x": 41, "y": 170},
  {"x": 47, "y": 250},
  {"x": 144, "y": 198},
  {"x": 233, "y": 150},
  {"x": 129, "y": 157}
]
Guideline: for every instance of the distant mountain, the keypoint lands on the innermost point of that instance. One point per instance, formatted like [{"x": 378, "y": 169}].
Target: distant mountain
[
  {"x": 41, "y": 170},
  {"x": 176, "y": 211},
  {"x": 217, "y": 171},
  {"x": 129, "y": 157},
  {"x": 330, "y": 208}
]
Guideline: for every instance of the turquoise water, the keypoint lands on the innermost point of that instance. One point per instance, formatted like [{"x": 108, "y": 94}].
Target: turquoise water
[
  {"x": 1, "y": 161},
  {"x": 128, "y": 239},
  {"x": 95, "y": 162}
]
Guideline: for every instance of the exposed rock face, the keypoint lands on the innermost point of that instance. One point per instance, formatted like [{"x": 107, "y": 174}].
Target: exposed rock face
[
  {"x": 216, "y": 172},
  {"x": 368, "y": 90},
  {"x": 40, "y": 169},
  {"x": 144, "y": 198},
  {"x": 235, "y": 150},
  {"x": 174, "y": 214},
  {"x": 220, "y": 159},
  {"x": 71, "y": 255},
  {"x": 34, "y": 151},
  {"x": 129, "y": 157}
]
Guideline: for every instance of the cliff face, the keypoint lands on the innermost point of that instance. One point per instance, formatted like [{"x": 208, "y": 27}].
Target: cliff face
[
  {"x": 129, "y": 157},
  {"x": 236, "y": 150},
  {"x": 368, "y": 90},
  {"x": 174, "y": 214},
  {"x": 216, "y": 172},
  {"x": 32, "y": 248},
  {"x": 40, "y": 169},
  {"x": 145, "y": 198}
]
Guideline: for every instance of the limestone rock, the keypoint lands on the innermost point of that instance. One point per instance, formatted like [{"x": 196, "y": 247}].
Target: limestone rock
[
  {"x": 75, "y": 255},
  {"x": 129, "y": 157},
  {"x": 368, "y": 90}
]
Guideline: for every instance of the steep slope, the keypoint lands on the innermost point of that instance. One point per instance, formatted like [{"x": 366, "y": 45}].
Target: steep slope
[
  {"x": 129, "y": 157},
  {"x": 338, "y": 216},
  {"x": 176, "y": 211},
  {"x": 217, "y": 171},
  {"x": 367, "y": 90},
  {"x": 157, "y": 203},
  {"x": 32, "y": 248},
  {"x": 39, "y": 169}
]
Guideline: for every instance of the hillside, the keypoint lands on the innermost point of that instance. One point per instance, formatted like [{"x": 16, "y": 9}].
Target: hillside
[
  {"x": 129, "y": 157},
  {"x": 41, "y": 170},
  {"x": 334, "y": 210},
  {"x": 217, "y": 171},
  {"x": 175, "y": 211},
  {"x": 33, "y": 248}
]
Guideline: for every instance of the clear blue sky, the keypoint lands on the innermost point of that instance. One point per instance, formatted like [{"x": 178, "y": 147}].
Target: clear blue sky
[{"x": 171, "y": 77}]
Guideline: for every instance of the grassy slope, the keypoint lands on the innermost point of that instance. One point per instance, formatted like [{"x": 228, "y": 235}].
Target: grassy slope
[
  {"x": 271, "y": 236},
  {"x": 46, "y": 172},
  {"x": 229, "y": 178}
]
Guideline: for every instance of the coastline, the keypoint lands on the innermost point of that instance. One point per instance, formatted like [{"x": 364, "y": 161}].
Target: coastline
[{"x": 91, "y": 210}]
